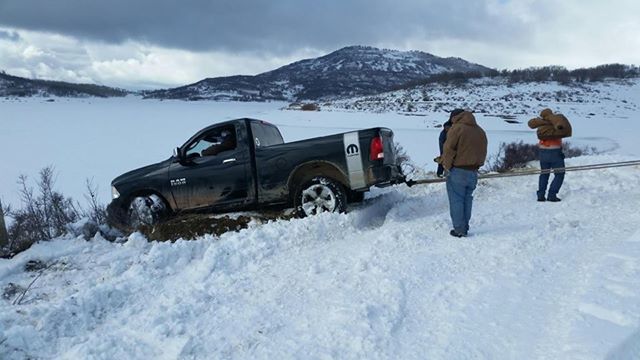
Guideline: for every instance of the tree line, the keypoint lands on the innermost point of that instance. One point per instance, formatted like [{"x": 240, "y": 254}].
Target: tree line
[{"x": 21, "y": 87}]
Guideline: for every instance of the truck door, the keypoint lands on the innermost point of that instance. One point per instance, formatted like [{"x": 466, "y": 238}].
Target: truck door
[{"x": 215, "y": 171}]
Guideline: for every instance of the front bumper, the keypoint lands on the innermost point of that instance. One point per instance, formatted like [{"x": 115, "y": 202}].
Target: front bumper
[{"x": 117, "y": 215}]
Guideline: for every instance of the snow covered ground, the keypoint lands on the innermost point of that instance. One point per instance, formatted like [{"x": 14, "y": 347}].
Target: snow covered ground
[
  {"x": 100, "y": 139},
  {"x": 385, "y": 281}
]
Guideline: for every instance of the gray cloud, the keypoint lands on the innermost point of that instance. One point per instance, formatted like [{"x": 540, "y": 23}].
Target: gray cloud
[
  {"x": 275, "y": 27},
  {"x": 9, "y": 35},
  {"x": 150, "y": 43}
]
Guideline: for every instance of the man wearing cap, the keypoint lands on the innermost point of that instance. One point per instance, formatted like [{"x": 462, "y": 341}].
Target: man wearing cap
[
  {"x": 442, "y": 138},
  {"x": 464, "y": 152}
]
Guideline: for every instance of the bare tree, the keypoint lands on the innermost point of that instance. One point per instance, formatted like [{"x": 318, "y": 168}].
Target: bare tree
[
  {"x": 96, "y": 211},
  {"x": 43, "y": 216}
]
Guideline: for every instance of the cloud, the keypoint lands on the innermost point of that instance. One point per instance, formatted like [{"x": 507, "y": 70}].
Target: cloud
[
  {"x": 161, "y": 43},
  {"x": 9, "y": 35},
  {"x": 131, "y": 65},
  {"x": 265, "y": 26}
]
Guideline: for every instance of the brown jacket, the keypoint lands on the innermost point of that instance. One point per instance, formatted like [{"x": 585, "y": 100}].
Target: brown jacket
[
  {"x": 466, "y": 145},
  {"x": 550, "y": 125}
]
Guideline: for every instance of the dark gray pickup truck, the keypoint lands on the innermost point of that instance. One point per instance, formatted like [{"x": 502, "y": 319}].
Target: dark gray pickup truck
[{"x": 244, "y": 164}]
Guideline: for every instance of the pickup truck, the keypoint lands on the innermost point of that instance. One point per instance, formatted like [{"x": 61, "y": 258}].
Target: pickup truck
[{"x": 244, "y": 164}]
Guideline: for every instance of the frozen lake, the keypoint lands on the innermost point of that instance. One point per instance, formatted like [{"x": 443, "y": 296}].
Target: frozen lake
[{"x": 99, "y": 139}]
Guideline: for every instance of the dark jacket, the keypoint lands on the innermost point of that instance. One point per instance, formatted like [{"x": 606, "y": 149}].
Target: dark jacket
[
  {"x": 227, "y": 144},
  {"x": 466, "y": 144},
  {"x": 441, "y": 141}
]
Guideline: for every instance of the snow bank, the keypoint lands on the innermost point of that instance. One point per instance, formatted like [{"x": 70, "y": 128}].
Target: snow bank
[{"x": 534, "y": 280}]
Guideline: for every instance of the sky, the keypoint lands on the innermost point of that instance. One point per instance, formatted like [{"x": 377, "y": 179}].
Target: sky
[{"x": 144, "y": 44}]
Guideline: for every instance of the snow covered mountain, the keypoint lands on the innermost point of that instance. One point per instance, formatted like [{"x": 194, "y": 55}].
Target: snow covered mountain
[
  {"x": 350, "y": 71},
  {"x": 15, "y": 86}
]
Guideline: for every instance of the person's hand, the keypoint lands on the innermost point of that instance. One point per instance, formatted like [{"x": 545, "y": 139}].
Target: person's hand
[{"x": 446, "y": 173}]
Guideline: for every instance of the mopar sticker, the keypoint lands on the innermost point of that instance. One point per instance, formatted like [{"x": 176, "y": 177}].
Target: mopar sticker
[
  {"x": 352, "y": 150},
  {"x": 354, "y": 160}
]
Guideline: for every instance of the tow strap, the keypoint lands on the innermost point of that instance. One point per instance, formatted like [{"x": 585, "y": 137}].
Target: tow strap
[{"x": 534, "y": 172}]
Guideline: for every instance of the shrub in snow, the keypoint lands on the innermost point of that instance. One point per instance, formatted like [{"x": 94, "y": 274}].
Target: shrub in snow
[
  {"x": 11, "y": 290},
  {"x": 519, "y": 154},
  {"x": 96, "y": 211},
  {"x": 409, "y": 168},
  {"x": 46, "y": 214},
  {"x": 310, "y": 107}
]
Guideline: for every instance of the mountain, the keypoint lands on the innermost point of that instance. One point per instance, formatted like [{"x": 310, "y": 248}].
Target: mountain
[
  {"x": 22, "y": 87},
  {"x": 350, "y": 71}
]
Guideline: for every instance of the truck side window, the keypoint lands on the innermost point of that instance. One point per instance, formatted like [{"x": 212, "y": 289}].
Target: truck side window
[
  {"x": 213, "y": 142},
  {"x": 265, "y": 134}
]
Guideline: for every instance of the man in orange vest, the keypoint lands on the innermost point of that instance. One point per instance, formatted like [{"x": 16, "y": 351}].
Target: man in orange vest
[{"x": 551, "y": 128}]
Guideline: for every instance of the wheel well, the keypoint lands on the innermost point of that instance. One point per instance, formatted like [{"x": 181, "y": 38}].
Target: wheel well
[
  {"x": 308, "y": 171},
  {"x": 146, "y": 192}
]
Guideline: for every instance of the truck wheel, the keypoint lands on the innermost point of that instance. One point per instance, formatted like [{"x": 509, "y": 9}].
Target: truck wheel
[
  {"x": 320, "y": 194},
  {"x": 146, "y": 211}
]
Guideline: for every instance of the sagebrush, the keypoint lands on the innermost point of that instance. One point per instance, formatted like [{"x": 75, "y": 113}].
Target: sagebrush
[
  {"x": 46, "y": 213},
  {"x": 519, "y": 154}
]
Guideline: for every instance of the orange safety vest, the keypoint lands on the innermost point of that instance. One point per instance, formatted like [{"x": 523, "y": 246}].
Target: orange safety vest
[{"x": 550, "y": 144}]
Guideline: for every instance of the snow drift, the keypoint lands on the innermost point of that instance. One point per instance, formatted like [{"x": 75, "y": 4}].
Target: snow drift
[{"x": 534, "y": 280}]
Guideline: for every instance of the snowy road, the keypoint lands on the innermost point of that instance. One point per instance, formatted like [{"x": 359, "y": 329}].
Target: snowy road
[{"x": 386, "y": 281}]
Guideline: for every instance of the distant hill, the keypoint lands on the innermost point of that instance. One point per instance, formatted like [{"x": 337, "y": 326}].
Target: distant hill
[
  {"x": 503, "y": 97},
  {"x": 22, "y": 87},
  {"x": 350, "y": 71}
]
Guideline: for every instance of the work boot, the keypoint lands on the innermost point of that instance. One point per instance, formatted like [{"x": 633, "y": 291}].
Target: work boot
[
  {"x": 541, "y": 198},
  {"x": 553, "y": 198},
  {"x": 457, "y": 234}
]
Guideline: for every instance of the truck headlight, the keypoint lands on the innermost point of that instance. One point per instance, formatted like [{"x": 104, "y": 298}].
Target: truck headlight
[{"x": 114, "y": 193}]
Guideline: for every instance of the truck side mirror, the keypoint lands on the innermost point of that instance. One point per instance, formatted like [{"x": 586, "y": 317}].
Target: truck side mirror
[{"x": 178, "y": 155}]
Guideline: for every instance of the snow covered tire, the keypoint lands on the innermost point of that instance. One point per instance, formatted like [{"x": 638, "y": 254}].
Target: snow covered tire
[
  {"x": 320, "y": 194},
  {"x": 146, "y": 211}
]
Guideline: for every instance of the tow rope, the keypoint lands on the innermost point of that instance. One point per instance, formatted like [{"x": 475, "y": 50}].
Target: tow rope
[{"x": 534, "y": 172}]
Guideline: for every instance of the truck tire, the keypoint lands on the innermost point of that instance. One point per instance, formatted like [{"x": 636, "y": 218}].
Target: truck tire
[
  {"x": 146, "y": 211},
  {"x": 320, "y": 194}
]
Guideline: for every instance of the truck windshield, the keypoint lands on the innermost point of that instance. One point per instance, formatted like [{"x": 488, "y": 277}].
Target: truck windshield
[{"x": 265, "y": 134}]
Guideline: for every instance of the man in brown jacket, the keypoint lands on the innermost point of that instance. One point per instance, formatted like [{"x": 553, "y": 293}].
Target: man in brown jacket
[{"x": 464, "y": 153}]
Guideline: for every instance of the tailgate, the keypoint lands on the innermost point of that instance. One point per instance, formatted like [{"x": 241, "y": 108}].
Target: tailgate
[{"x": 388, "y": 146}]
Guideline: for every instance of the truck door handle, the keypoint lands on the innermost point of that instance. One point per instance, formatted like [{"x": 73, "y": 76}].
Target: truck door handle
[{"x": 228, "y": 160}]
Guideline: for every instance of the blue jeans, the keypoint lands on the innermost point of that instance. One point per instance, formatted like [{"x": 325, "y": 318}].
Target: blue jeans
[
  {"x": 460, "y": 186},
  {"x": 550, "y": 158}
]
